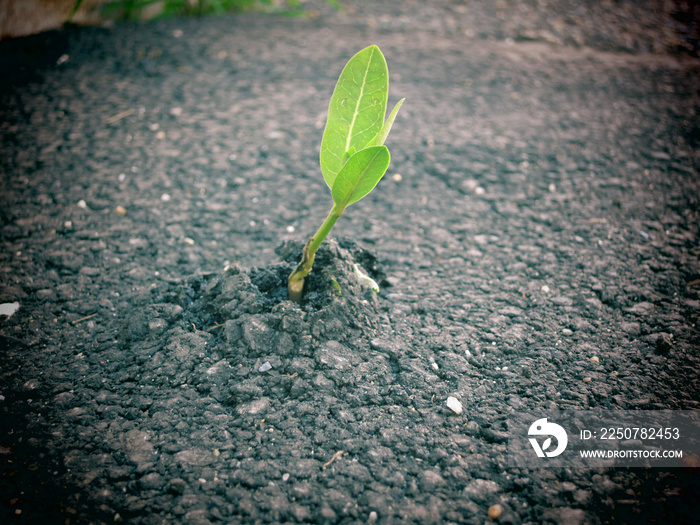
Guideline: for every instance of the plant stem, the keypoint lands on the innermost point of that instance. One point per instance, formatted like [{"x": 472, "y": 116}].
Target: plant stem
[
  {"x": 76, "y": 6},
  {"x": 295, "y": 283}
]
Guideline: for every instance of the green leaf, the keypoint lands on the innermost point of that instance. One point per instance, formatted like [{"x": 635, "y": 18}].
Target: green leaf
[
  {"x": 386, "y": 128},
  {"x": 356, "y": 111},
  {"x": 360, "y": 175}
]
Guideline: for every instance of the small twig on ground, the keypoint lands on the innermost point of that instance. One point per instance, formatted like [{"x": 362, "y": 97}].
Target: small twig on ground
[
  {"x": 84, "y": 318},
  {"x": 120, "y": 116},
  {"x": 335, "y": 456}
]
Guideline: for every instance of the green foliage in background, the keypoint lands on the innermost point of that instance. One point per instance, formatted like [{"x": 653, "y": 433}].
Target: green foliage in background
[{"x": 133, "y": 9}]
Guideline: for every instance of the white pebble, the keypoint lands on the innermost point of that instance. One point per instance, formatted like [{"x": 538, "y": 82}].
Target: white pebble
[
  {"x": 285, "y": 476},
  {"x": 454, "y": 404},
  {"x": 189, "y": 241},
  {"x": 545, "y": 289},
  {"x": 176, "y": 112},
  {"x": 470, "y": 184},
  {"x": 290, "y": 229},
  {"x": 165, "y": 197},
  {"x": 8, "y": 308},
  {"x": 82, "y": 204},
  {"x": 265, "y": 367}
]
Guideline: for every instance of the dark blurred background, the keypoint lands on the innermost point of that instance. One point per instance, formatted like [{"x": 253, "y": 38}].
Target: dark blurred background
[{"x": 637, "y": 26}]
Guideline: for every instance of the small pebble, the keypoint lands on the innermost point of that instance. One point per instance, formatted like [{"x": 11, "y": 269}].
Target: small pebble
[
  {"x": 373, "y": 516},
  {"x": 68, "y": 224},
  {"x": 176, "y": 112},
  {"x": 545, "y": 289},
  {"x": 470, "y": 184},
  {"x": 454, "y": 404},
  {"x": 495, "y": 511},
  {"x": 265, "y": 367},
  {"x": 397, "y": 177},
  {"x": 566, "y": 331},
  {"x": 290, "y": 229},
  {"x": 9, "y": 308},
  {"x": 177, "y": 33},
  {"x": 189, "y": 241},
  {"x": 587, "y": 379},
  {"x": 82, "y": 204},
  {"x": 285, "y": 476},
  {"x": 595, "y": 359},
  {"x": 121, "y": 210},
  {"x": 165, "y": 197},
  {"x": 160, "y": 135}
]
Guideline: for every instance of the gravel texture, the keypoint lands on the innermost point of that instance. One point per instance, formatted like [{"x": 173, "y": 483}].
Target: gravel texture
[{"x": 535, "y": 241}]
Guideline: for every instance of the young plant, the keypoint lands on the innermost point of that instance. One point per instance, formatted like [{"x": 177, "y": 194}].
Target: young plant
[{"x": 353, "y": 155}]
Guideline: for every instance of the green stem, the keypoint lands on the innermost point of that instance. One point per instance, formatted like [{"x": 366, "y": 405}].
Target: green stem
[
  {"x": 295, "y": 283},
  {"x": 76, "y": 6}
]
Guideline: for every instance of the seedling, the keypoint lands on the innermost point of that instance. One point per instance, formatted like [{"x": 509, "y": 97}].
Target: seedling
[{"x": 353, "y": 155}]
